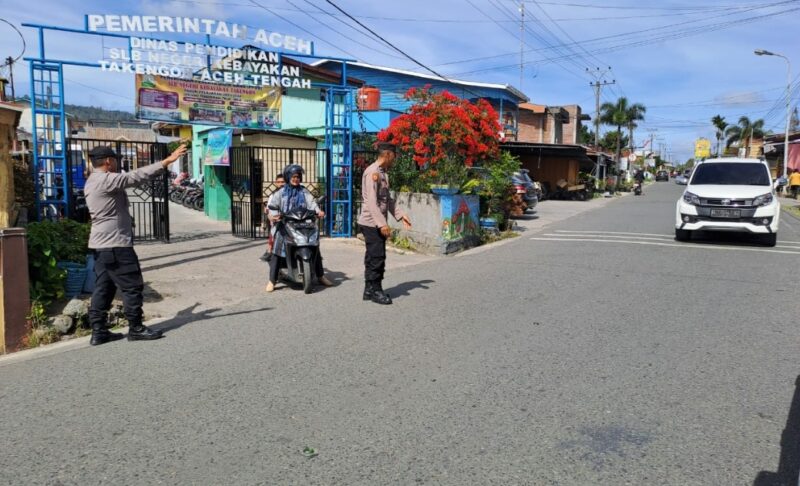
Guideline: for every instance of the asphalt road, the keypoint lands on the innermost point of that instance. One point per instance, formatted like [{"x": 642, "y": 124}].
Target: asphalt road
[{"x": 595, "y": 351}]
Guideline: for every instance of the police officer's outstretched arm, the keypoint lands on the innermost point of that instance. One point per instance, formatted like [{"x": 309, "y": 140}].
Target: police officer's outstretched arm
[
  {"x": 135, "y": 177},
  {"x": 398, "y": 214}
]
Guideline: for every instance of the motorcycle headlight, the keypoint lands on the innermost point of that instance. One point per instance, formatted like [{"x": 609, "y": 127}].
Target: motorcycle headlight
[
  {"x": 690, "y": 198},
  {"x": 763, "y": 199}
]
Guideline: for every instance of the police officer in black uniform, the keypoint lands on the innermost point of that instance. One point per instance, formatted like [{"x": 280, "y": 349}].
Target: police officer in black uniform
[{"x": 111, "y": 238}]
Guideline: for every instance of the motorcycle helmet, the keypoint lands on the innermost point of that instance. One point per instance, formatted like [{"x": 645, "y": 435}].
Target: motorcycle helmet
[{"x": 291, "y": 170}]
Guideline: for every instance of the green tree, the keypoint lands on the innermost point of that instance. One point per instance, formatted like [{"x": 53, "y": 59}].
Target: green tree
[
  {"x": 744, "y": 132},
  {"x": 585, "y": 137},
  {"x": 720, "y": 125},
  {"x": 609, "y": 140},
  {"x": 621, "y": 114},
  {"x": 635, "y": 113}
]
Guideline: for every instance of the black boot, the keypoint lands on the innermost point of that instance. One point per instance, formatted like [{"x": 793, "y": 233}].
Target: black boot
[
  {"x": 143, "y": 333},
  {"x": 369, "y": 288},
  {"x": 103, "y": 335},
  {"x": 378, "y": 295}
]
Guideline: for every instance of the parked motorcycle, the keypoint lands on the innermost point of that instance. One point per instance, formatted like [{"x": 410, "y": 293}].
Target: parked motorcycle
[
  {"x": 637, "y": 188},
  {"x": 300, "y": 233}
]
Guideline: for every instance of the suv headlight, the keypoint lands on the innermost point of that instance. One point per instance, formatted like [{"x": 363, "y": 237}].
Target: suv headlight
[
  {"x": 763, "y": 199},
  {"x": 690, "y": 198}
]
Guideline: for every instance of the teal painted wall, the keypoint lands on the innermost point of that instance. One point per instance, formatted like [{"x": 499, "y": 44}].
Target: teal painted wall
[
  {"x": 302, "y": 113},
  {"x": 217, "y": 193},
  {"x": 199, "y": 136}
]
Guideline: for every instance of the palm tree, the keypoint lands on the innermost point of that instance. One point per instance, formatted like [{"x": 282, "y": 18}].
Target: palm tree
[
  {"x": 622, "y": 114},
  {"x": 635, "y": 113},
  {"x": 719, "y": 125},
  {"x": 745, "y": 131}
]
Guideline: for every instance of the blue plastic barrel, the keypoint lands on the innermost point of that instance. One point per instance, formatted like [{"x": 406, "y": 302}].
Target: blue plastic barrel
[{"x": 76, "y": 276}]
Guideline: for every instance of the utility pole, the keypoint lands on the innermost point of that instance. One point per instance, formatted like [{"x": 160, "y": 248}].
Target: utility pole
[
  {"x": 598, "y": 83},
  {"x": 521, "y": 43},
  {"x": 10, "y": 63}
]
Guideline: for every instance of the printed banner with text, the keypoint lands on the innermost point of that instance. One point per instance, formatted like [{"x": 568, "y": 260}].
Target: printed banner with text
[
  {"x": 180, "y": 101},
  {"x": 217, "y": 145}
]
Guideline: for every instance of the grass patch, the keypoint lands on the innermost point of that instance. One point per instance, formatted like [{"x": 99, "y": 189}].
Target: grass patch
[
  {"x": 492, "y": 237},
  {"x": 402, "y": 242},
  {"x": 793, "y": 210},
  {"x": 40, "y": 332}
]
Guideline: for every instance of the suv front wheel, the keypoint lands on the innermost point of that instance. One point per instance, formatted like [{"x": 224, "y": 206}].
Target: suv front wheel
[{"x": 682, "y": 235}]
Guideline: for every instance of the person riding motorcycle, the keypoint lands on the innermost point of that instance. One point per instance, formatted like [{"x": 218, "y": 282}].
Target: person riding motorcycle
[
  {"x": 639, "y": 178},
  {"x": 291, "y": 196}
]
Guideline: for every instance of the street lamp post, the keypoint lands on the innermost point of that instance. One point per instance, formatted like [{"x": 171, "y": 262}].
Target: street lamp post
[{"x": 762, "y": 52}]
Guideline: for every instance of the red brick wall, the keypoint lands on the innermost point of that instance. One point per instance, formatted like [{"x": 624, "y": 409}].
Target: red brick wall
[{"x": 530, "y": 125}]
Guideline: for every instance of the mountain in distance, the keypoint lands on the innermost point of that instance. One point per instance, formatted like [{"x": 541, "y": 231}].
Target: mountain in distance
[{"x": 84, "y": 113}]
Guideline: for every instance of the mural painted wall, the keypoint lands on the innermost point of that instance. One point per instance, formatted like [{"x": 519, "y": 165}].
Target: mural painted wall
[{"x": 459, "y": 217}]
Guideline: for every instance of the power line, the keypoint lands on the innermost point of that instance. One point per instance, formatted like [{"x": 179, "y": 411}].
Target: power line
[
  {"x": 681, "y": 34},
  {"x": 10, "y": 60},
  {"x": 335, "y": 46},
  {"x": 384, "y": 40},
  {"x": 527, "y": 30},
  {"x": 646, "y": 32},
  {"x": 308, "y": 14},
  {"x": 627, "y": 7}
]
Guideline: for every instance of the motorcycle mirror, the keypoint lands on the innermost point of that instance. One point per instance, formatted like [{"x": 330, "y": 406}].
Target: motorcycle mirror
[{"x": 273, "y": 207}]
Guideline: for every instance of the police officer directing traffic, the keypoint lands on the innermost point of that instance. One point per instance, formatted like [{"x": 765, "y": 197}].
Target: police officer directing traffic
[
  {"x": 111, "y": 239},
  {"x": 376, "y": 203}
]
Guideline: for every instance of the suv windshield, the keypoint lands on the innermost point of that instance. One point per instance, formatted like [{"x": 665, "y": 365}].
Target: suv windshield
[
  {"x": 522, "y": 177},
  {"x": 731, "y": 174}
]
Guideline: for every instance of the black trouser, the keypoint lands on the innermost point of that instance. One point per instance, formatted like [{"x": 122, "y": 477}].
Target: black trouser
[
  {"x": 277, "y": 262},
  {"x": 375, "y": 257},
  {"x": 794, "y": 191},
  {"x": 116, "y": 268}
]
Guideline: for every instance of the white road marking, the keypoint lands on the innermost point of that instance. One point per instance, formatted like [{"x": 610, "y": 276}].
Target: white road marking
[
  {"x": 615, "y": 233},
  {"x": 611, "y": 234},
  {"x": 603, "y": 235},
  {"x": 676, "y": 245}
]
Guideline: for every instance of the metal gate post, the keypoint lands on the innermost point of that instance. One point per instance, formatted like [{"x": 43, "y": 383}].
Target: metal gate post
[
  {"x": 49, "y": 108},
  {"x": 251, "y": 187},
  {"x": 339, "y": 141}
]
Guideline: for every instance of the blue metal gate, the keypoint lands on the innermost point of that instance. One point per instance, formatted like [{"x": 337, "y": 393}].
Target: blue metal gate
[
  {"x": 50, "y": 153},
  {"x": 339, "y": 142}
]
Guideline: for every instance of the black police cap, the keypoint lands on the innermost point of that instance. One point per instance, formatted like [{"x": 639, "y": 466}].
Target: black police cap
[
  {"x": 387, "y": 146},
  {"x": 101, "y": 152}
]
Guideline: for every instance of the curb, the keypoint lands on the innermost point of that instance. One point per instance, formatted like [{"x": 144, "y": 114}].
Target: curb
[{"x": 790, "y": 213}]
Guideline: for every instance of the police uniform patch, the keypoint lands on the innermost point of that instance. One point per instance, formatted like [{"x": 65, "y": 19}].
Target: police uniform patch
[{"x": 375, "y": 177}]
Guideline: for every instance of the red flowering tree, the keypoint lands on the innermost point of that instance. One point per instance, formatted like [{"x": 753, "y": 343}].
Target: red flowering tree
[{"x": 444, "y": 134}]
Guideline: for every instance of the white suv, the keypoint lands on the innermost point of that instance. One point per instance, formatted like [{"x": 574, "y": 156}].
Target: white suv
[{"x": 729, "y": 195}]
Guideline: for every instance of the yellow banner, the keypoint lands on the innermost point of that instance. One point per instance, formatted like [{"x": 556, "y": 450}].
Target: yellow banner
[
  {"x": 180, "y": 101},
  {"x": 702, "y": 148}
]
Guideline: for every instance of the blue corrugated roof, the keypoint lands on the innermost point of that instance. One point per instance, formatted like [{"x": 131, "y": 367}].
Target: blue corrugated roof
[{"x": 393, "y": 84}]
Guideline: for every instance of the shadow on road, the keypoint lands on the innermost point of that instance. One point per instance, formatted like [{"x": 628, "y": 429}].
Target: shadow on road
[
  {"x": 404, "y": 289},
  {"x": 181, "y": 237},
  {"x": 187, "y": 316},
  {"x": 196, "y": 250},
  {"x": 789, "y": 462},
  {"x": 337, "y": 278},
  {"x": 726, "y": 238},
  {"x": 245, "y": 246}
]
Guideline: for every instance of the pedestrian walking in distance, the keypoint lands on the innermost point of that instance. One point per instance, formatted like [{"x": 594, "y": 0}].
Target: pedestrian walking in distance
[
  {"x": 376, "y": 203},
  {"x": 111, "y": 239}
]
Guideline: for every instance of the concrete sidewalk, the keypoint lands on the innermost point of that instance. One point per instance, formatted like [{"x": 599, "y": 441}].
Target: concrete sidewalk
[{"x": 205, "y": 267}]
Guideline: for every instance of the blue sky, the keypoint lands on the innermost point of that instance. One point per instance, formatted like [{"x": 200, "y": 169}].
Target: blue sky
[{"x": 686, "y": 61}]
